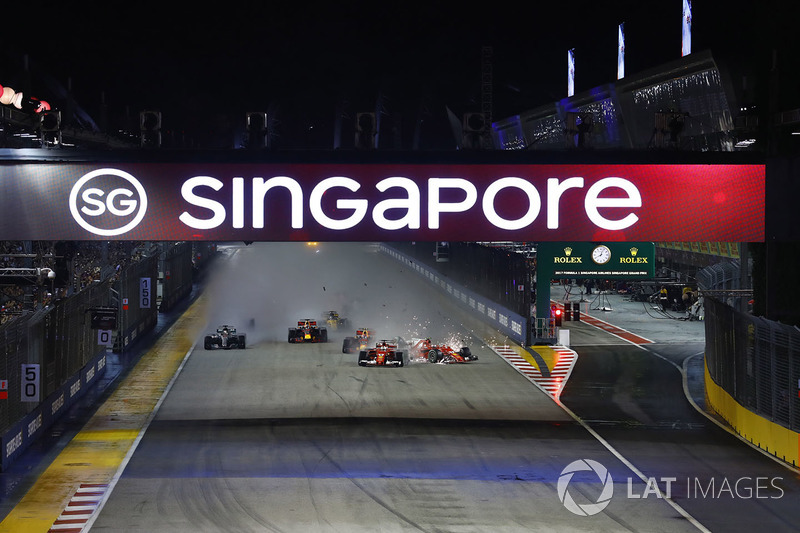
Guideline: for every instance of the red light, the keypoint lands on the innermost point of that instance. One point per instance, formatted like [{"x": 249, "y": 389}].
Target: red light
[{"x": 558, "y": 312}]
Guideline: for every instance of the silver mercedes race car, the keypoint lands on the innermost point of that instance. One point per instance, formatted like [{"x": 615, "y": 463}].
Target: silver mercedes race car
[{"x": 225, "y": 338}]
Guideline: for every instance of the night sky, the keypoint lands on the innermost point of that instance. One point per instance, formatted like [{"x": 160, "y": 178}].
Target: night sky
[{"x": 204, "y": 68}]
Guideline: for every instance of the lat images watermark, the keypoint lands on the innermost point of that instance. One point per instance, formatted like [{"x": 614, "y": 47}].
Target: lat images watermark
[
  {"x": 586, "y": 509},
  {"x": 590, "y": 471}
]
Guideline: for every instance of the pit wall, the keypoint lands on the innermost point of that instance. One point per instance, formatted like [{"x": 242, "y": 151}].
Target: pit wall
[
  {"x": 64, "y": 380},
  {"x": 509, "y": 323},
  {"x": 752, "y": 370},
  {"x": 773, "y": 438},
  {"x": 34, "y": 425}
]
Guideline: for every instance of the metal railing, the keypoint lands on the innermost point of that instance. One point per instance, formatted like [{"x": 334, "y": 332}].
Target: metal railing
[
  {"x": 70, "y": 354},
  {"x": 755, "y": 360},
  {"x": 720, "y": 276},
  {"x": 176, "y": 273},
  {"x": 59, "y": 338}
]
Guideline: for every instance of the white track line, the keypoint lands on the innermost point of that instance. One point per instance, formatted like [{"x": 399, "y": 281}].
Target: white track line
[
  {"x": 692, "y": 520},
  {"x": 138, "y": 439}
]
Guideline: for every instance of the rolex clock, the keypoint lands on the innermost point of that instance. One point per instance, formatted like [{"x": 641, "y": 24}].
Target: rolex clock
[{"x": 601, "y": 254}]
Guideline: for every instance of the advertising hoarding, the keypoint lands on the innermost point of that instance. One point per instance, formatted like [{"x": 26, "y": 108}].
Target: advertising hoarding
[{"x": 382, "y": 202}]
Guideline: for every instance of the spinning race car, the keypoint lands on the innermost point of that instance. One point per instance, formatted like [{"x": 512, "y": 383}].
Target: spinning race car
[
  {"x": 334, "y": 321},
  {"x": 424, "y": 350},
  {"x": 359, "y": 342},
  {"x": 308, "y": 331},
  {"x": 385, "y": 353},
  {"x": 224, "y": 338}
]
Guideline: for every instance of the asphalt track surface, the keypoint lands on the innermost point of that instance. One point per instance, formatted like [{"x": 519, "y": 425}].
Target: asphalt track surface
[{"x": 282, "y": 437}]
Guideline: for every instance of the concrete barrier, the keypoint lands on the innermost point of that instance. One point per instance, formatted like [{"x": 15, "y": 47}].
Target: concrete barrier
[
  {"x": 31, "y": 427},
  {"x": 773, "y": 438}
]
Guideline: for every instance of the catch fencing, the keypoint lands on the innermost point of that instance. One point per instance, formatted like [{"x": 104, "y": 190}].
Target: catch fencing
[
  {"x": 176, "y": 273},
  {"x": 499, "y": 275},
  {"x": 58, "y": 338},
  {"x": 71, "y": 356},
  {"x": 755, "y": 360},
  {"x": 49, "y": 359},
  {"x": 503, "y": 319},
  {"x": 136, "y": 301}
]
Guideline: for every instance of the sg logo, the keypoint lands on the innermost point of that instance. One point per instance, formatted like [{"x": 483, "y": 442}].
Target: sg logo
[{"x": 103, "y": 203}]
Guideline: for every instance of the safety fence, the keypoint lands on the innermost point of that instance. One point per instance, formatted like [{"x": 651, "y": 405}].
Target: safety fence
[
  {"x": 136, "y": 301},
  {"x": 720, "y": 276},
  {"x": 50, "y": 357},
  {"x": 498, "y": 316},
  {"x": 202, "y": 253},
  {"x": 176, "y": 273},
  {"x": 59, "y": 339},
  {"x": 14, "y": 348},
  {"x": 498, "y": 275},
  {"x": 756, "y": 361}
]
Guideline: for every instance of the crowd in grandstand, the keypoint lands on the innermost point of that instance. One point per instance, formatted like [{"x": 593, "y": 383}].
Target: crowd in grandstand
[{"x": 85, "y": 263}]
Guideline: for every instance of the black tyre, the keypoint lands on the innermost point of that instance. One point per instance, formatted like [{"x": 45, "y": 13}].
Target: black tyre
[
  {"x": 347, "y": 344},
  {"x": 401, "y": 358},
  {"x": 466, "y": 353},
  {"x": 433, "y": 356},
  {"x": 291, "y": 336},
  {"x": 362, "y": 358},
  {"x": 324, "y": 335},
  {"x": 207, "y": 344},
  {"x": 242, "y": 342}
]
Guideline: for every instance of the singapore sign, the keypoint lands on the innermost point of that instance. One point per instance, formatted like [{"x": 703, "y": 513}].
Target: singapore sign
[{"x": 388, "y": 202}]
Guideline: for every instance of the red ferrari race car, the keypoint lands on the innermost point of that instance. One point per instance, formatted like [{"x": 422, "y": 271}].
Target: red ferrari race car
[
  {"x": 308, "y": 331},
  {"x": 359, "y": 342},
  {"x": 424, "y": 350},
  {"x": 385, "y": 353}
]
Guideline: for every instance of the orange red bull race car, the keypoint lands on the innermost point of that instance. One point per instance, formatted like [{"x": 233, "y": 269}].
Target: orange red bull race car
[
  {"x": 424, "y": 350},
  {"x": 359, "y": 342},
  {"x": 307, "y": 330},
  {"x": 385, "y": 353}
]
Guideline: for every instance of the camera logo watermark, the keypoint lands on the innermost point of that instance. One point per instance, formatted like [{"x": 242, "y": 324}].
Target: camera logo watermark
[
  {"x": 108, "y": 202},
  {"x": 743, "y": 488},
  {"x": 585, "y": 509}
]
